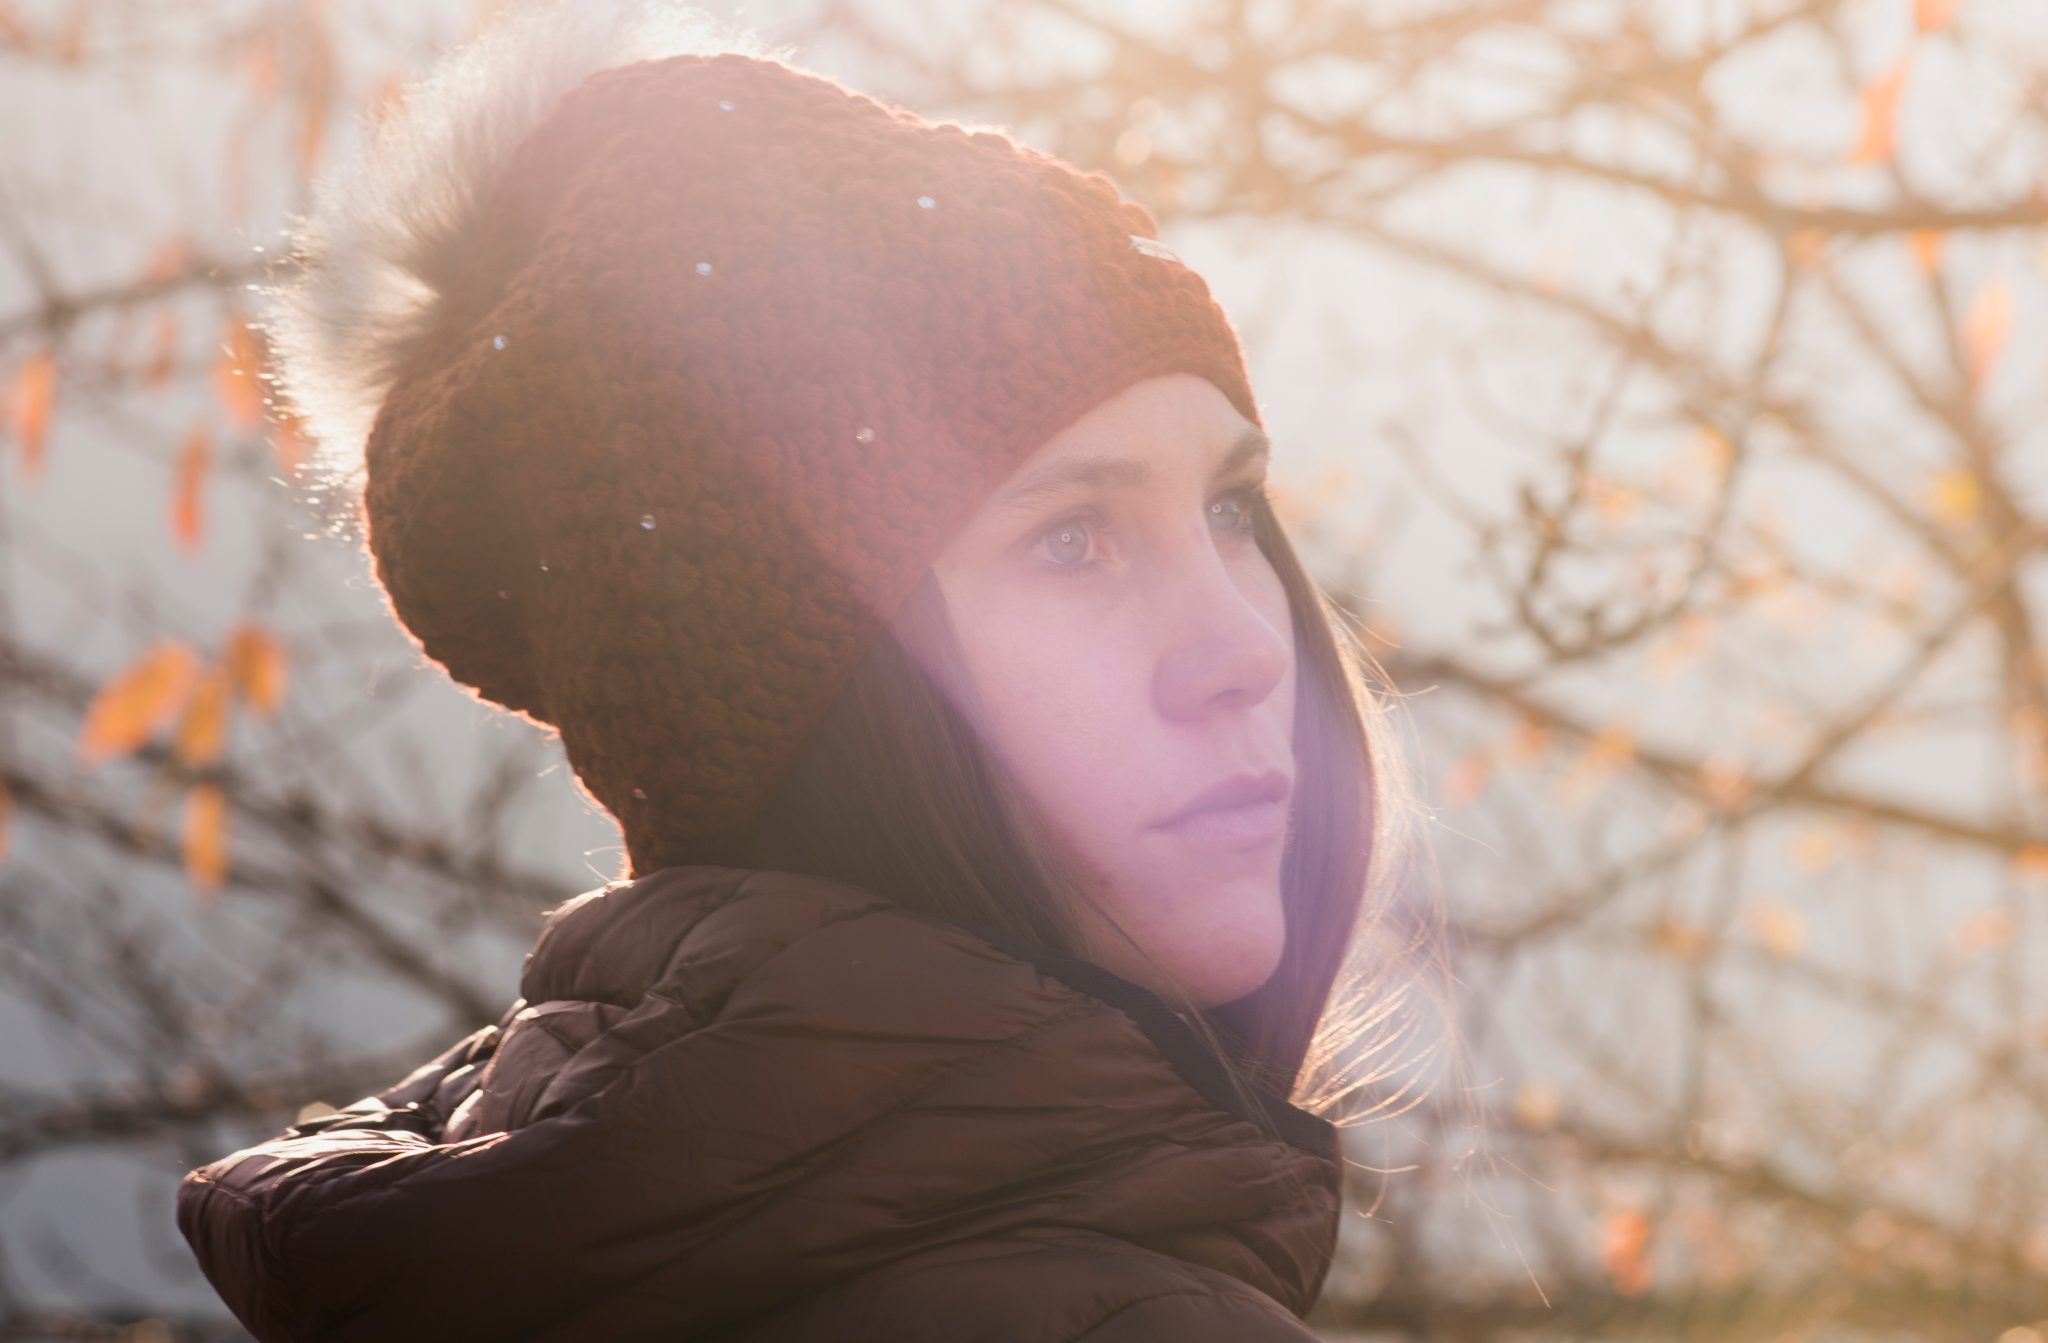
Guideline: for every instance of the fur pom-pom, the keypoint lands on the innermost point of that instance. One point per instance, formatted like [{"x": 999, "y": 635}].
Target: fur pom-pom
[{"x": 370, "y": 262}]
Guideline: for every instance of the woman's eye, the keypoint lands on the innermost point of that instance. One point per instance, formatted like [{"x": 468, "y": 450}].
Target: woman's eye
[
  {"x": 1239, "y": 514},
  {"x": 1067, "y": 544}
]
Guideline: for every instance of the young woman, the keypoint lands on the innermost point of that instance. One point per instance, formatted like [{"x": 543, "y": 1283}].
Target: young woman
[{"x": 877, "y": 511}]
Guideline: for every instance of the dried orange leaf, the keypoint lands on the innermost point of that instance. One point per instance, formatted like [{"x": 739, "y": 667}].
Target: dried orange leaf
[
  {"x": 35, "y": 393},
  {"x": 1806, "y": 246},
  {"x": 1556, "y": 268},
  {"x": 204, "y": 728},
  {"x": 168, "y": 261},
  {"x": 1537, "y": 1105},
  {"x": 1781, "y": 930},
  {"x": 1986, "y": 328},
  {"x": 206, "y": 839},
  {"x": 1681, "y": 939},
  {"x": 1467, "y": 779},
  {"x": 1332, "y": 481},
  {"x": 1624, "y": 1251},
  {"x": 1984, "y": 929},
  {"x": 1687, "y": 640},
  {"x": 1954, "y": 495},
  {"x": 1933, "y": 16},
  {"x": 1878, "y": 138},
  {"x": 1612, "y": 746},
  {"x": 1614, "y": 500},
  {"x": 1816, "y": 847},
  {"x": 1711, "y": 448},
  {"x": 1607, "y": 751},
  {"x": 259, "y": 61},
  {"x": 256, "y": 665},
  {"x": 1531, "y": 740},
  {"x": 1726, "y": 783},
  {"x": 130, "y": 708},
  {"x": 70, "y": 44},
  {"x": 192, "y": 456},
  {"x": 1926, "y": 245}
]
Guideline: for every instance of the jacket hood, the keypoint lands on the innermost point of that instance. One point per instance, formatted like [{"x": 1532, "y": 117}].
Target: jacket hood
[{"x": 724, "y": 1088}]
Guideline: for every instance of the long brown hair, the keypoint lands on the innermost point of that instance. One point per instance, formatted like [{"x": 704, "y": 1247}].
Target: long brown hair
[{"x": 896, "y": 792}]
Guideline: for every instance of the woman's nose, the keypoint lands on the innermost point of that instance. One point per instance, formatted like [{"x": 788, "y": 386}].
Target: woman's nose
[{"x": 1224, "y": 648}]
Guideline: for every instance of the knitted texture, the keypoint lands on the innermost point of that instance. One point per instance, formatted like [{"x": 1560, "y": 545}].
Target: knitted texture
[{"x": 738, "y": 350}]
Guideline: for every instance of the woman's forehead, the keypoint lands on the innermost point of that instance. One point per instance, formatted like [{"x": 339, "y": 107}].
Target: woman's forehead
[
  {"x": 1169, "y": 420},
  {"x": 1120, "y": 470},
  {"x": 1164, "y": 409}
]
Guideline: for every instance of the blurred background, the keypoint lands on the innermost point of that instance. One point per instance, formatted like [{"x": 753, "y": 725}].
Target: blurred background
[{"x": 1663, "y": 384}]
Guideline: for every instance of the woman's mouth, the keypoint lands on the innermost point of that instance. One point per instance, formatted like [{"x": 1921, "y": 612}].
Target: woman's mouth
[{"x": 1251, "y": 825}]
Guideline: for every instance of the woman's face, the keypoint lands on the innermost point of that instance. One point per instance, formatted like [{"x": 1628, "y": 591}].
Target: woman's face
[{"x": 1132, "y": 648}]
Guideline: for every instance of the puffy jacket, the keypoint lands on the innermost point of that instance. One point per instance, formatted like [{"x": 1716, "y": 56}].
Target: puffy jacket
[{"x": 753, "y": 1105}]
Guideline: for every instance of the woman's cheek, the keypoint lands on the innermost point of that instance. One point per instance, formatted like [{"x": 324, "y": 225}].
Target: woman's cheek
[{"x": 1058, "y": 679}]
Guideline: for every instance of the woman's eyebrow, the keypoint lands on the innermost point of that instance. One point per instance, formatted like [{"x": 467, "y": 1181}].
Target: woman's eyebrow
[{"x": 1116, "y": 473}]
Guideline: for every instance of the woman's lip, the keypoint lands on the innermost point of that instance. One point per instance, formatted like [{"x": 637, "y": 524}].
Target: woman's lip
[{"x": 1242, "y": 827}]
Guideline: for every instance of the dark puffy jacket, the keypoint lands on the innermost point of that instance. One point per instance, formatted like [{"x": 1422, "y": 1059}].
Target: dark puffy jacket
[{"x": 751, "y": 1105}]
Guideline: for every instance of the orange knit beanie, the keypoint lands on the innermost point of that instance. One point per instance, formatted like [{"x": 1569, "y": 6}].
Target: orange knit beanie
[{"x": 732, "y": 353}]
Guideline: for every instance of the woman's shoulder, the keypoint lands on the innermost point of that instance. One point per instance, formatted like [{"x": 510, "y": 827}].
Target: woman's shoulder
[
  {"x": 1038, "y": 1285},
  {"x": 725, "y": 1111}
]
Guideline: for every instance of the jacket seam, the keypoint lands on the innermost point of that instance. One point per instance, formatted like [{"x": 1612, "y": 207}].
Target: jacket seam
[
  {"x": 839, "y": 1151},
  {"x": 655, "y": 986},
  {"x": 1128, "y": 1306},
  {"x": 551, "y": 929}
]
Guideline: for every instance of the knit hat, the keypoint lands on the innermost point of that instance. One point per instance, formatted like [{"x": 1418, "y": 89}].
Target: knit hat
[{"x": 729, "y": 355}]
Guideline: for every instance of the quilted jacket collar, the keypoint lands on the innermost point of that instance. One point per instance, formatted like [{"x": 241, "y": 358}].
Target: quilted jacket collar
[
  {"x": 884, "y": 1023},
  {"x": 616, "y": 943}
]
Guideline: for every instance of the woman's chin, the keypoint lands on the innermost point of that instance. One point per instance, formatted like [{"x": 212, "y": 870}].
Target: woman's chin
[
  {"x": 1235, "y": 960},
  {"x": 1215, "y": 935},
  {"x": 1229, "y": 983}
]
